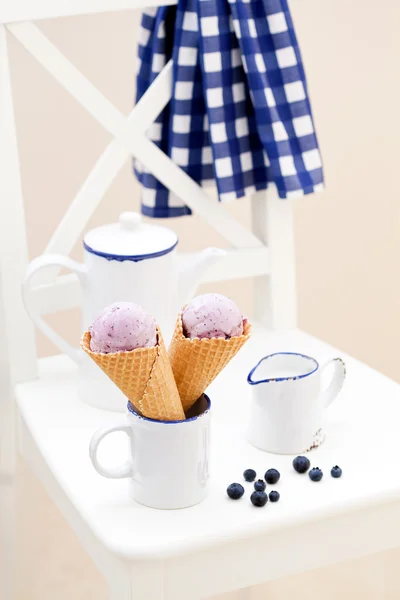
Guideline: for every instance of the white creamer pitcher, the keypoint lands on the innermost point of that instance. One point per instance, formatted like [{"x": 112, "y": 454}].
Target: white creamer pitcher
[
  {"x": 127, "y": 261},
  {"x": 288, "y": 402}
]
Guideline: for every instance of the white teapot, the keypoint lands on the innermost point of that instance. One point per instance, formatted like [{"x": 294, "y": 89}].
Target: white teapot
[{"x": 126, "y": 261}]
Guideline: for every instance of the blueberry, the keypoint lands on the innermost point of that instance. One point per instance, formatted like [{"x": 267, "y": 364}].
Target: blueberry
[
  {"x": 315, "y": 474},
  {"x": 235, "y": 491},
  {"x": 259, "y": 498},
  {"x": 260, "y": 485},
  {"x": 336, "y": 472},
  {"x": 249, "y": 474},
  {"x": 274, "y": 496},
  {"x": 272, "y": 476},
  {"x": 301, "y": 464}
]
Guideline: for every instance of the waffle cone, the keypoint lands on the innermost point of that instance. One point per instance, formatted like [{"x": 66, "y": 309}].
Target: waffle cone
[
  {"x": 145, "y": 376},
  {"x": 197, "y": 362}
]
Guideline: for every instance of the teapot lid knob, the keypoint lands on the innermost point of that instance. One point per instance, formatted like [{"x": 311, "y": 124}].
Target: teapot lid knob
[{"x": 130, "y": 220}]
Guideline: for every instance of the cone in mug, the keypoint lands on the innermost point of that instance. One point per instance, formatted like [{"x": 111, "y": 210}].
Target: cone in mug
[
  {"x": 197, "y": 362},
  {"x": 145, "y": 376}
]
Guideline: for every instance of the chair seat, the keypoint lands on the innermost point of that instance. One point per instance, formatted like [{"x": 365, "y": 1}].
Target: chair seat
[{"x": 361, "y": 436}]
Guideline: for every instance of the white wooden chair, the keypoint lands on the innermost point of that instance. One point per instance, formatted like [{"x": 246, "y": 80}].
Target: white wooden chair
[{"x": 219, "y": 545}]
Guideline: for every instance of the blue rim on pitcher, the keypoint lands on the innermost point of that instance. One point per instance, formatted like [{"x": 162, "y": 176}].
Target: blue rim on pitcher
[{"x": 270, "y": 379}]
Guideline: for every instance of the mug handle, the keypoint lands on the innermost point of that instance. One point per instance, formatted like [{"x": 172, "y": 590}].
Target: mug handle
[
  {"x": 42, "y": 262},
  {"x": 338, "y": 377},
  {"x": 119, "y": 472}
]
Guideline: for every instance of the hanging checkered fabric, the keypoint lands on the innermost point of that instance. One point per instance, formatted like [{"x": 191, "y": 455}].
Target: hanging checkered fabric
[{"x": 239, "y": 115}]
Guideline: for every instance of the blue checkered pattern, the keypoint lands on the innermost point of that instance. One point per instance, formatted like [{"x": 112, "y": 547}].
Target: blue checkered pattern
[{"x": 239, "y": 115}]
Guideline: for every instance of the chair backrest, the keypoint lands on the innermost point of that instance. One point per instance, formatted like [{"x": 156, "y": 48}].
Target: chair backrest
[{"x": 265, "y": 252}]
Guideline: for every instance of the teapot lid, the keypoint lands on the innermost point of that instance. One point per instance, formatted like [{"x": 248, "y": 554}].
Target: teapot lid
[{"x": 130, "y": 239}]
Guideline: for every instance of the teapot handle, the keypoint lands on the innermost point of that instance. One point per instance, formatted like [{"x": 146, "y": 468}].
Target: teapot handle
[{"x": 42, "y": 262}]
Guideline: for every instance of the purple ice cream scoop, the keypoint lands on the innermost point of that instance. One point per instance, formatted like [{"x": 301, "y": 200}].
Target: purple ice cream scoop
[
  {"x": 121, "y": 327},
  {"x": 212, "y": 316}
]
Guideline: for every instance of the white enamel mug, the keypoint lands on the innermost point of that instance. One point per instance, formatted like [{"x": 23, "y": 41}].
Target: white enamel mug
[
  {"x": 169, "y": 463},
  {"x": 288, "y": 403}
]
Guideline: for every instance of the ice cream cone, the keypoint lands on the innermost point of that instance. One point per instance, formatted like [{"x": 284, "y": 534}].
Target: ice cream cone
[
  {"x": 197, "y": 362},
  {"x": 145, "y": 376}
]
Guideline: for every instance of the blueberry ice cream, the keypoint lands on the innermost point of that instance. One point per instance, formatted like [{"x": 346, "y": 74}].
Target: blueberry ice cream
[
  {"x": 121, "y": 327},
  {"x": 212, "y": 316}
]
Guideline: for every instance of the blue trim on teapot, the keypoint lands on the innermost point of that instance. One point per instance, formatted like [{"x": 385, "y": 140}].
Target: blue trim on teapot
[
  {"x": 271, "y": 379},
  {"x": 122, "y": 258}
]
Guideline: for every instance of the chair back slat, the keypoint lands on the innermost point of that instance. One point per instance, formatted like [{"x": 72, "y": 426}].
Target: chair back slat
[
  {"x": 34, "y": 10},
  {"x": 17, "y": 349}
]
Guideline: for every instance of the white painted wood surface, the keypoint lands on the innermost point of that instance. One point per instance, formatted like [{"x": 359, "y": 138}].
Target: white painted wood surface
[
  {"x": 275, "y": 293},
  {"x": 105, "y": 170},
  {"x": 134, "y": 141},
  {"x": 34, "y": 10},
  {"x": 249, "y": 256},
  {"x": 237, "y": 545},
  {"x": 154, "y": 555},
  {"x": 18, "y": 347},
  {"x": 129, "y": 134},
  {"x": 7, "y": 460}
]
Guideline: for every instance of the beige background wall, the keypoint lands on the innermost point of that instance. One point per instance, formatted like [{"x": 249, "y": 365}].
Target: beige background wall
[{"x": 347, "y": 238}]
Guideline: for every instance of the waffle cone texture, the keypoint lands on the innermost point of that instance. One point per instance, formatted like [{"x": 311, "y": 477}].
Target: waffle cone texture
[
  {"x": 197, "y": 362},
  {"x": 145, "y": 376}
]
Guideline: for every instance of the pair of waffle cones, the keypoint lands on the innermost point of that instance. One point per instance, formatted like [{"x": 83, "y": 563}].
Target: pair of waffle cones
[{"x": 163, "y": 387}]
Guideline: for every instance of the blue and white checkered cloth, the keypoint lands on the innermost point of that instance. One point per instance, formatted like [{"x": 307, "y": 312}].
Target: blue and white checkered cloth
[{"x": 239, "y": 115}]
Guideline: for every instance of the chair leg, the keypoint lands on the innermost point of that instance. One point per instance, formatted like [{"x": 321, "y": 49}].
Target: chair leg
[
  {"x": 120, "y": 593},
  {"x": 148, "y": 581},
  {"x": 141, "y": 581},
  {"x": 119, "y": 582}
]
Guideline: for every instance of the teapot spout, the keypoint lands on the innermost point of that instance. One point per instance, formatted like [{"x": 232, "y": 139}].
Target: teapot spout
[{"x": 194, "y": 269}]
